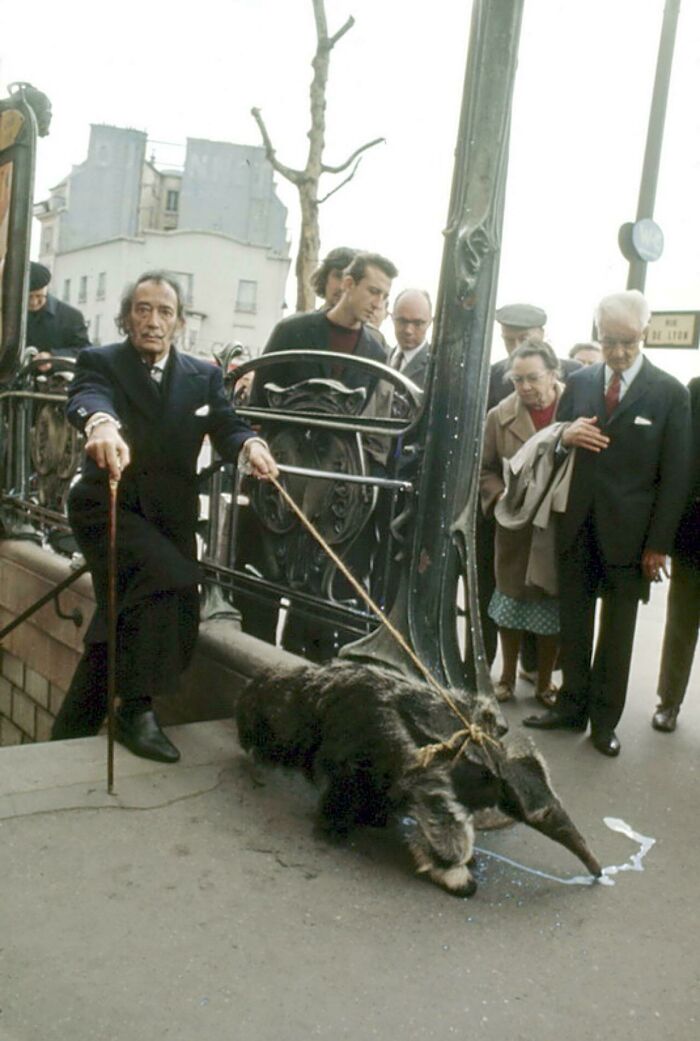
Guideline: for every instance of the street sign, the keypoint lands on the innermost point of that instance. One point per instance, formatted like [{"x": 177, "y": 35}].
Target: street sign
[{"x": 674, "y": 329}]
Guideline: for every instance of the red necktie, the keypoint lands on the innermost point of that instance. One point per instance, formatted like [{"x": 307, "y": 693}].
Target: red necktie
[{"x": 612, "y": 394}]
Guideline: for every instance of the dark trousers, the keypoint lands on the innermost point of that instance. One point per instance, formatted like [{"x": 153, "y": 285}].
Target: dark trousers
[
  {"x": 486, "y": 580},
  {"x": 155, "y": 640},
  {"x": 680, "y": 633},
  {"x": 595, "y": 684}
]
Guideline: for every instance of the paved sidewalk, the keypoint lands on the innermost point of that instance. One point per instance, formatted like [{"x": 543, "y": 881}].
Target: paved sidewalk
[{"x": 198, "y": 904}]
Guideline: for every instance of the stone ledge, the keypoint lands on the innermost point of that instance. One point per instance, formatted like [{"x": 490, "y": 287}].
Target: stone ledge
[{"x": 45, "y": 649}]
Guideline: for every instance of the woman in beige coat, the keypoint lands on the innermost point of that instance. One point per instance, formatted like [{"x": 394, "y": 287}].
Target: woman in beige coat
[{"x": 515, "y": 607}]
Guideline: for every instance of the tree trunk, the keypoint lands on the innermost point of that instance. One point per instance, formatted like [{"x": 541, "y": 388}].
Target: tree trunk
[{"x": 307, "y": 180}]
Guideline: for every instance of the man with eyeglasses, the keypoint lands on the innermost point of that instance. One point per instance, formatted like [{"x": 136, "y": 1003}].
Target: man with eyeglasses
[
  {"x": 629, "y": 422},
  {"x": 412, "y": 316}
]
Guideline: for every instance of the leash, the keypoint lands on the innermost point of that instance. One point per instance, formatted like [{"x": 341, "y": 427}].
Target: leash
[{"x": 470, "y": 732}]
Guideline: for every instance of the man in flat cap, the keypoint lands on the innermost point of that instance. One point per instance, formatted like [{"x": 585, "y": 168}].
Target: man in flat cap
[
  {"x": 57, "y": 329},
  {"x": 519, "y": 322}
]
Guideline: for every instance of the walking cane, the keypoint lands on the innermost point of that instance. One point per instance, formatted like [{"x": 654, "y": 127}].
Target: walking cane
[{"x": 111, "y": 627}]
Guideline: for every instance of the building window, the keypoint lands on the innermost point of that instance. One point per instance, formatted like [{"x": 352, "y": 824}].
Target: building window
[
  {"x": 101, "y": 285},
  {"x": 82, "y": 290},
  {"x": 186, "y": 282},
  {"x": 47, "y": 243},
  {"x": 192, "y": 340},
  {"x": 247, "y": 299},
  {"x": 66, "y": 291},
  {"x": 95, "y": 338},
  {"x": 171, "y": 201}
]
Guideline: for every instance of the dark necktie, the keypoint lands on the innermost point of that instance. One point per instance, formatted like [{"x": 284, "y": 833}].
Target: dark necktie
[
  {"x": 612, "y": 394},
  {"x": 397, "y": 363},
  {"x": 156, "y": 376}
]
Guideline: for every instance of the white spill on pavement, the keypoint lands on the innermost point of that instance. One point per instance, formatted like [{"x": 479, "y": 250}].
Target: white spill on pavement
[{"x": 634, "y": 863}]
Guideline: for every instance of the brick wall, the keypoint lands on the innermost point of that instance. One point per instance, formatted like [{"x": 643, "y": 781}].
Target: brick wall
[{"x": 38, "y": 658}]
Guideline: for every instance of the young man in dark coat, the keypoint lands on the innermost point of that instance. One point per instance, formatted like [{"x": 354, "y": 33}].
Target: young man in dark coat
[
  {"x": 630, "y": 424},
  {"x": 342, "y": 329},
  {"x": 145, "y": 408}
]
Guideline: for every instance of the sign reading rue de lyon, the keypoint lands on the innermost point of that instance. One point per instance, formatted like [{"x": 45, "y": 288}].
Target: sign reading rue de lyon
[{"x": 674, "y": 329}]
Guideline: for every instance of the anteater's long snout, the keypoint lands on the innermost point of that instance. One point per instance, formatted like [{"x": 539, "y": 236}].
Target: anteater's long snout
[{"x": 556, "y": 824}]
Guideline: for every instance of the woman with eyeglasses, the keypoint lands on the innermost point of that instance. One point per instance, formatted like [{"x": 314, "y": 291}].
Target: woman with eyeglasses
[{"x": 515, "y": 607}]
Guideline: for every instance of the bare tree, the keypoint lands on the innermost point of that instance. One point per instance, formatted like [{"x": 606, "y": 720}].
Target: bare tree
[{"x": 307, "y": 180}]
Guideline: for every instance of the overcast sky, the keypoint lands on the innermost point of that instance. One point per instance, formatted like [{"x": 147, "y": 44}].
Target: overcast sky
[{"x": 582, "y": 101}]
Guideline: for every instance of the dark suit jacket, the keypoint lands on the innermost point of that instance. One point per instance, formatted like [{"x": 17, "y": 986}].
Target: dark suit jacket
[
  {"x": 637, "y": 486},
  {"x": 687, "y": 545},
  {"x": 417, "y": 368},
  {"x": 310, "y": 331},
  {"x": 500, "y": 387},
  {"x": 158, "y": 492},
  {"x": 58, "y": 328}
]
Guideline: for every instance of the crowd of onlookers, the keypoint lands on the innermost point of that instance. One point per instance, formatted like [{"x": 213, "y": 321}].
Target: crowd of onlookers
[
  {"x": 590, "y": 481},
  {"x": 589, "y": 484}
]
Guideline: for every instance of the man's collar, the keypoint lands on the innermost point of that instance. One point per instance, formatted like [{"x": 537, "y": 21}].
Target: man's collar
[
  {"x": 160, "y": 364},
  {"x": 409, "y": 355},
  {"x": 629, "y": 374},
  {"x": 50, "y": 305}
]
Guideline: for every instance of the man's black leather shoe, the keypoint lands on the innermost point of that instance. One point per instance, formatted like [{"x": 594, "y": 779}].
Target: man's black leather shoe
[
  {"x": 664, "y": 719},
  {"x": 606, "y": 742},
  {"x": 553, "y": 720},
  {"x": 142, "y": 735}
]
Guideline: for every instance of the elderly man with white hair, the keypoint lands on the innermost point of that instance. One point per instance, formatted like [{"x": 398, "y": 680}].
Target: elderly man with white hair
[{"x": 629, "y": 422}]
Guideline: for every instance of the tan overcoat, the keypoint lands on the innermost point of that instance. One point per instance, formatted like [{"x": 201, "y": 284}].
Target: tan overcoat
[{"x": 508, "y": 427}]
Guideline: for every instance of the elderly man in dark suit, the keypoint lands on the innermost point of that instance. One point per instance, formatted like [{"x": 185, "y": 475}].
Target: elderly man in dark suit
[
  {"x": 412, "y": 316},
  {"x": 57, "y": 329},
  {"x": 630, "y": 424},
  {"x": 683, "y": 606},
  {"x": 145, "y": 408}
]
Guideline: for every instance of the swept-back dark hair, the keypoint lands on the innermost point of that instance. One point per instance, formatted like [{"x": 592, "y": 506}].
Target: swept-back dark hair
[
  {"x": 130, "y": 291},
  {"x": 337, "y": 260},
  {"x": 534, "y": 348},
  {"x": 362, "y": 261}
]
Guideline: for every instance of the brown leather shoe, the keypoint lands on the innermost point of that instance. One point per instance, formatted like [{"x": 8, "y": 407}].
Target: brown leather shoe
[{"x": 664, "y": 719}]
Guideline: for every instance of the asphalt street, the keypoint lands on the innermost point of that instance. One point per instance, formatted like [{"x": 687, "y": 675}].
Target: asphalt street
[{"x": 197, "y": 903}]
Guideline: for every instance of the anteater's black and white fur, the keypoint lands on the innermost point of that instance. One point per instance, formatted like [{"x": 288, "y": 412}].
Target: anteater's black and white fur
[{"x": 356, "y": 730}]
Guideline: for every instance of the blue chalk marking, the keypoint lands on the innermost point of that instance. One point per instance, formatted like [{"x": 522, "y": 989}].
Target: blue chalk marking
[{"x": 615, "y": 824}]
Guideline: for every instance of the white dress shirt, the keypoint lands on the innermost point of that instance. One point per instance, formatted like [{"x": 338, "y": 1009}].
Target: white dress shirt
[{"x": 626, "y": 377}]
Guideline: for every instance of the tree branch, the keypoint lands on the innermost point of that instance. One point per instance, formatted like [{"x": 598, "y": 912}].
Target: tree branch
[
  {"x": 346, "y": 164},
  {"x": 295, "y": 176},
  {"x": 332, "y": 40},
  {"x": 342, "y": 183}
]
